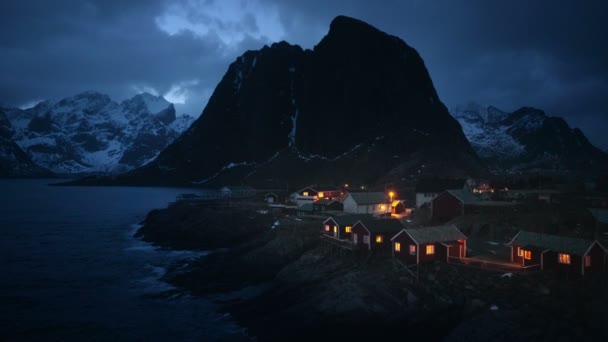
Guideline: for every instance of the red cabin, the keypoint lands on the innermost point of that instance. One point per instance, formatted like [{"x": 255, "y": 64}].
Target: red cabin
[
  {"x": 341, "y": 227},
  {"x": 560, "y": 253},
  {"x": 375, "y": 233},
  {"x": 425, "y": 245}
]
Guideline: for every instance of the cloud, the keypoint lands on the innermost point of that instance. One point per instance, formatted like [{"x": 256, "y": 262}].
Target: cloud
[
  {"x": 232, "y": 21},
  {"x": 510, "y": 54},
  {"x": 179, "y": 93}
]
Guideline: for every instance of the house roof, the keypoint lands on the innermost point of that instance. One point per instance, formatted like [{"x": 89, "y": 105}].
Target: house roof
[
  {"x": 379, "y": 225},
  {"x": 465, "y": 196},
  {"x": 325, "y": 201},
  {"x": 348, "y": 220},
  {"x": 601, "y": 215},
  {"x": 435, "y": 234},
  {"x": 237, "y": 188},
  {"x": 306, "y": 207},
  {"x": 320, "y": 188},
  {"x": 438, "y": 185},
  {"x": 555, "y": 243},
  {"x": 362, "y": 198}
]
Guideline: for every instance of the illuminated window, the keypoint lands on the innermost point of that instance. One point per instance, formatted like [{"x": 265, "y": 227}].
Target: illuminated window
[
  {"x": 588, "y": 261},
  {"x": 527, "y": 255},
  {"x": 321, "y": 195},
  {"x": 412, "y": 249},
  {"x": 520, "y": 252},
  {"x": 563, "y": 258},
  {"x": 348, "y": 229},
  {"x": 305, "y": 193},
  {"x": 397, "y": 247},
  {"x": 335, "y": 229},
  {"x": 430, "y": 249},
  {"x": 378, "y": 238},
  {"x": 326, "y": 227},
  {"x": 382, "y": 207}
]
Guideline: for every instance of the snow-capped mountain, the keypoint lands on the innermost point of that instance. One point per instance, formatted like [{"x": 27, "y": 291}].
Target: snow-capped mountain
[
  {"x": 90, "y": 133},
  {"x": 14, "y": 162},
  {"x": 528, "y": 140}
]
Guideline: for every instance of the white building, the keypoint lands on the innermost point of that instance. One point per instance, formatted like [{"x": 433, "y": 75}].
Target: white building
[{"x": 375, "y": 203}]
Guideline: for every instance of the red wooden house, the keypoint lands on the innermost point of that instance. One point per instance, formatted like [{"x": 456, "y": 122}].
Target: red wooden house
[
  {"x": 454, "y": 203},
  {"x": 375, "y": 233},
  {"x": 340, "y": 227},
  {"x": 427, "y": 244},
  {"x": 564, "y": 254}
]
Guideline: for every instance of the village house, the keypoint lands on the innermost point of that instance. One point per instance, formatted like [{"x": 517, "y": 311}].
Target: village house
[
  {"x": 427, "y": 189},
  {"x": 237, "y": 191},
  {"x": 374, "y": 234},
  {"x": 375, "y": 203},
  {"x": 340, "y": 227},
  {"x": 311, "y": 193},
  {"x": 560, "y": 253},
  {"x": 326, "y": 204},
  {"x": 454, "y": 203},
  {"x": 271, "y": 197},
  {"x": 305, "y": 210},
  {"x": 427, "y": 244}
]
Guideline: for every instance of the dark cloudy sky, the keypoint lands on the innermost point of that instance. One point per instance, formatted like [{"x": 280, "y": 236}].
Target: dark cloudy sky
[{"x": 549, "y": 54}]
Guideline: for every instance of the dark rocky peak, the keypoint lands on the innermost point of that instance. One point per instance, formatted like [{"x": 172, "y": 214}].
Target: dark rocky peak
[
  {"x": 524, "y": 112},
  {"x": 6, "y": 129},
  {"x": 360, "y": 100},
  {"x": 145, "y": 104},
  {"x": 89, "y": 102}
]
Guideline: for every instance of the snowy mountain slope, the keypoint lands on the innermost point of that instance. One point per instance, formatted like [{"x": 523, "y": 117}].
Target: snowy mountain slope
[
  {"x": 91, "y": 133},
  {"x": 14, "y": 162},
  {"x": 528, "y": 140}
]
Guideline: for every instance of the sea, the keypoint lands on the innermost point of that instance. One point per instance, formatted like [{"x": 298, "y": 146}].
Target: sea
[{"x": 72, "y": 270}]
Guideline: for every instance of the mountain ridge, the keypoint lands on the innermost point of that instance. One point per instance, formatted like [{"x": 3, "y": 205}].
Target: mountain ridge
[
  {"x": 360, "y": 100},
  {"x": 89, "y": 132},
  {"x": 528, "y": 140}
]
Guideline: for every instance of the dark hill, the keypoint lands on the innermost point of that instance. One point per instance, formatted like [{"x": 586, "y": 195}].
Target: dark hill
[{"x": 359, "y": 107}]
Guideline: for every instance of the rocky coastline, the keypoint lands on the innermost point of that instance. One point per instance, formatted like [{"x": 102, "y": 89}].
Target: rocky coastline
[{"x": 301, "y": 287}]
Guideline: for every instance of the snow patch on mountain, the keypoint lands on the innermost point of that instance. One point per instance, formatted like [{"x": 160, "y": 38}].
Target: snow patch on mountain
[
  {"x": 482, "y": 126},
  {"x": 90, "y": 132}
]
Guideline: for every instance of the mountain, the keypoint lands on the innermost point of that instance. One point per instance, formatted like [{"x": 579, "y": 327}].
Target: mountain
[
  {"x": 14, "y": 162},
  {"x": 527, "y": 140},
  {"x": 90, "y": 133},
  {"x": 359, "y": 107}
]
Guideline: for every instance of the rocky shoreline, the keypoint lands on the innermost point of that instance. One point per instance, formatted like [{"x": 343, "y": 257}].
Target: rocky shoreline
[{"x": 304, "y": 288}]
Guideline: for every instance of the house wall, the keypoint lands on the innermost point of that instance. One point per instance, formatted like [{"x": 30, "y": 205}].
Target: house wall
[
  {"x": 446, "y": 207},
  {"x": 361, "y": 232},
  {"x": 598, "y": 260},
  {"x": 549, "y": 261},
  {"x": 535, "y": 260},
  {"x": 514, "y": 256},
  {"x": 311, "y": 192},
  {"x": 384, "y": 246},
  {"x": 331, "y": 224},
  {"x": 422, "y": 198},
  {"x": 350, "y": 206},
  {"x": 428, "y": 258},
  {"x": 404, "y": 254}
]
